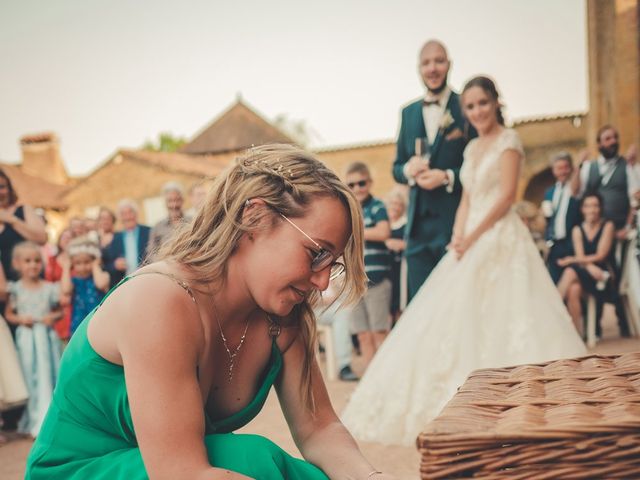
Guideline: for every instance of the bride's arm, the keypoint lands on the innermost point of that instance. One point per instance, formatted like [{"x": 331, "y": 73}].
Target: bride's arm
[
  {"x": 509, "y": 174},
  {"x": 461, "y": 218}
]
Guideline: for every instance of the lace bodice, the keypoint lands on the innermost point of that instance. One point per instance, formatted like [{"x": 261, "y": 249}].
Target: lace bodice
[{"x": 480, "y": 174}]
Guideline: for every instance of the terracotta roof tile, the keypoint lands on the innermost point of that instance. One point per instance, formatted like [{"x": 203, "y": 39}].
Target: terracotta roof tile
[
  {"x": 238, "y": 128},
  {"x": 35, "y": 191}
]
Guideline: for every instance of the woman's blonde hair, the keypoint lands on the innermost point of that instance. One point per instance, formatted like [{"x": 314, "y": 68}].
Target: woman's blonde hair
[{"x": 287, "y": 179}]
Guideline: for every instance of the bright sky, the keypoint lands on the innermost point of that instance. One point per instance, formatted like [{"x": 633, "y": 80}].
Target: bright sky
[{"x": 108, "y": 74}]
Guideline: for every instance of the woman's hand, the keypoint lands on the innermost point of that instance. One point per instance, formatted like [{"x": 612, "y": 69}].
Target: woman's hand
[
  {"x": 25, "y": 320},
  {"x": 565, "y": 262},
  {"x": 395, "y": 244},
  {"x": 7, "y": 216},
  {"x": 462, "y": 246}
]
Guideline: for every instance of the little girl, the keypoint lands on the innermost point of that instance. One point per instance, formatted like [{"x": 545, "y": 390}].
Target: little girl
[
  {"x": 34, "y": 307},
  {"x": 89, "y": 282}
]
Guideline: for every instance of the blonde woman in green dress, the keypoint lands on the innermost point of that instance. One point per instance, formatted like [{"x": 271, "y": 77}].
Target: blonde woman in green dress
[{"x": 184, "y": 351}]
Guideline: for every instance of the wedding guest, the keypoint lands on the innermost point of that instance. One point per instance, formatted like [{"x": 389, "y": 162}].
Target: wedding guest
[
  {"x": 330, "y": 313},
  {"x": 562, "y": 212},
  {"x": 13, "y": 389},
  {"x": 437, "y": 124},
  {"x": 396, "y": 204},
  {"x": 33, "y": 307},
  {"x": 77, "y": 226},
  {"x": 197, "y": 195},
  {"x": 53, "y": 273},
  {"x": 106, "y": 227},
  {"x": 186, "y": 350},
  {"x": 129, "y": 246},
  {"x": 614, "y": 178},
  {"x": 590, "y": 269},
  {"x": 174, "y": 199},
  {"x": 370, "y": 318},
  {"x": 83, "y": 279},
  {"x": 19, "y": 223}
]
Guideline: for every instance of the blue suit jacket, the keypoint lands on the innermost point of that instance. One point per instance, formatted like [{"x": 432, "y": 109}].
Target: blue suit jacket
[
  {"x": 572, "y": 219},
  {"x": 446, "y": 154},
  {"x": 116, "y": 250}
]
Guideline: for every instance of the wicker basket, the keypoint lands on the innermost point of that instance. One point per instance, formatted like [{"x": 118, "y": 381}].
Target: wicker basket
[{"x": 567, "y": 419}]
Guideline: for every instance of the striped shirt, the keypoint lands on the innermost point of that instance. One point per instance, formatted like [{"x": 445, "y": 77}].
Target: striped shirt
[{"x": 377, "y": 261}]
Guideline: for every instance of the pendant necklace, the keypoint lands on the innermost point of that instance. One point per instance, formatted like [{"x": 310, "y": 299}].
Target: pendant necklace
[{"x": 234, "y": 354}]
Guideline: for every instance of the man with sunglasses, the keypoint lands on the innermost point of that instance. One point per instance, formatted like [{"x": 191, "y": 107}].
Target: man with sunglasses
[{"x": 371, "y": 317}]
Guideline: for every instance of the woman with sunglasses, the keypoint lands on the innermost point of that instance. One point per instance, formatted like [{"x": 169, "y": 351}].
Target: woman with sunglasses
[{"x": 185, "y": 350}]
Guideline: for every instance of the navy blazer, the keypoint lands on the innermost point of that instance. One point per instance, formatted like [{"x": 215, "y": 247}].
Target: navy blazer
[
  {"x": 446, "y": 154},
  {"x": 572, "y": 219},
  {"x": 116, "y": 250}
]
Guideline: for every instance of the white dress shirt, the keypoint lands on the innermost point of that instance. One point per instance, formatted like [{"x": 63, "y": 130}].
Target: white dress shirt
[
  {"x": 432, "y": 116},
  {"x": 560, "y": 204},
  {"x": 606, "y": 168}
]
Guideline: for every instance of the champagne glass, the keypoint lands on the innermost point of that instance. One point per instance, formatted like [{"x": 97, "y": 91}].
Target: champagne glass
[{"x": 423, "y": 149}]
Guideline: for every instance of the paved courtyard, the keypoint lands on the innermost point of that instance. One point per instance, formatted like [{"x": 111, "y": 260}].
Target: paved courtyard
[{"x": 402, "y": 461}]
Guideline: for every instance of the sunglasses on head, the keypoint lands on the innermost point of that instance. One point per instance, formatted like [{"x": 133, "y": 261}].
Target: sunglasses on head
[{"x": 361, "y": 184}]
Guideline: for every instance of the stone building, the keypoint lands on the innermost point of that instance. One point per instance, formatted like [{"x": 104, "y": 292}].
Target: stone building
[
  {"x": 614, "y": 97},
  {"x": 41, "y": 180}
]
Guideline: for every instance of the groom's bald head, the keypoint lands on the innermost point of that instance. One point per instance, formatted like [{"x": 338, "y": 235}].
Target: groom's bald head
[
  {"x": 433, "y": 64},
  {"x": 434, "y": 44}
]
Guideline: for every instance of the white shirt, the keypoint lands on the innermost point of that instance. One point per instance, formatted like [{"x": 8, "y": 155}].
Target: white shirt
[
  {"x": 606, "y": 168},
  {"x": 560, "y": 204},
  {"x": 432, "y": 116}
]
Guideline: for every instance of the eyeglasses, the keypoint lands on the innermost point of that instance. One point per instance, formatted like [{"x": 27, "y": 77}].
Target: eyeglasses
[
  {"x": 361, "y": 184},
  {"x": 323, "y": 257}
]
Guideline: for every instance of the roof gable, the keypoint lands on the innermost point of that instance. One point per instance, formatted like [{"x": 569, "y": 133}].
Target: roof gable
[{"x": 238, "y": 128}]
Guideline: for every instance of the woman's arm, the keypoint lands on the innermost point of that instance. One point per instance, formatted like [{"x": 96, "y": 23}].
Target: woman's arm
[
  {"x": 321, "y": 437},
  {"x": 31, "y": 228},
  {"x": 100, "y": 278},
  {"x": 160, "y": 357},
  {"x": 461, "y": 216},
  {"x": 4, "y": 294},
  {"x": 603, "y": 249},
  {"x": 379, "y": 232},
  {"x": 66, "y": 284},
  {"x": 509, "y": 173},
  {"x": 11, "y": 316}
]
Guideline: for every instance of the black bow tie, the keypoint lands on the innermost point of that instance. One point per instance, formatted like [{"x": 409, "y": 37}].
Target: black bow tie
[{"x": 427, "y": 103}]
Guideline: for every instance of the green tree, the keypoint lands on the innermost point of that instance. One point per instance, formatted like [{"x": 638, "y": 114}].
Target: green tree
[
  {"x": 166, "y": 143},
  {"x": 298, "y": 130}
]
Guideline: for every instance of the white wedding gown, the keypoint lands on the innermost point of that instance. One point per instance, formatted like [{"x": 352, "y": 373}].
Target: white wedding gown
[{"x": 495, "y": 307}]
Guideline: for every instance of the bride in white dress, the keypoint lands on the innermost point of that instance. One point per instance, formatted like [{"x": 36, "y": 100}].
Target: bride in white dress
[{"x": 489, "y": 303}]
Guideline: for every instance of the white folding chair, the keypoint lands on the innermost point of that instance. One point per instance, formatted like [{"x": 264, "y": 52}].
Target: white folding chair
[{"x": 326, "y": 332}]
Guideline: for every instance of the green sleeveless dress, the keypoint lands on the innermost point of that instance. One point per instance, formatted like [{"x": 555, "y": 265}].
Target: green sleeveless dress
[{"x": 88, "y": 432}]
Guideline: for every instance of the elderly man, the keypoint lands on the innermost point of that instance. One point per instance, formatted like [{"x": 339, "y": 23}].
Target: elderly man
[
  {"x": 174, "y": 200},
  {"x": 129, "y": 247},
  {"x": 437, "y": 125},
  {"x": 562, "y": 212}
]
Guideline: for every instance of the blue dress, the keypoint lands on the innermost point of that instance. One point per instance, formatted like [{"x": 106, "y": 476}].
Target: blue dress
[{"x": 86, "y": 297}]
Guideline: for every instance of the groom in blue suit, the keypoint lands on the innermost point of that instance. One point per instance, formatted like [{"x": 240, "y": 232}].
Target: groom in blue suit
[
  {"x": 562, "y": 211},
  {"x": 435, "y": 187}
]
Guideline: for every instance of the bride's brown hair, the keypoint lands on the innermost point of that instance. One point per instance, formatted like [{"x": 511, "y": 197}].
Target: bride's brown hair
[
  {"x": 288, "y": 180},
  {"x": 489, "y": 87}
]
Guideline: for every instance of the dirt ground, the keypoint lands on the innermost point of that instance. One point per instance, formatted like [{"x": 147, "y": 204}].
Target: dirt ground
[{"x": 401, "y": 461}]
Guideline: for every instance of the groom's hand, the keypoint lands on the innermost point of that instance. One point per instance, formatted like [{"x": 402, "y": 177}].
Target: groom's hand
[
  {"x": 431, "y": 179},
  {"x": 416, "y": 165}
]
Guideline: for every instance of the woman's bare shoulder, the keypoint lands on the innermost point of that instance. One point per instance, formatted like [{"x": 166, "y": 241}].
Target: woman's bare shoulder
[{"x": 149, "y": 308}]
